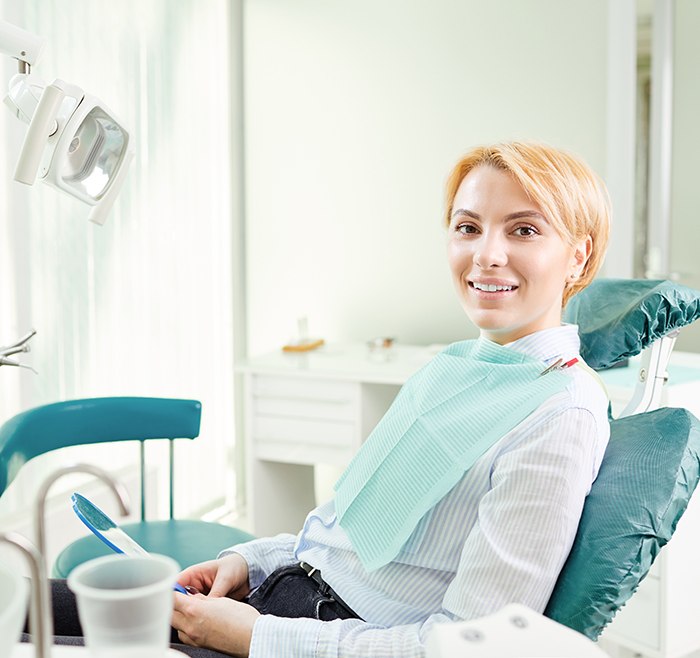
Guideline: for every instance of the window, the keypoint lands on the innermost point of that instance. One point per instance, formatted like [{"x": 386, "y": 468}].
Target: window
[{"x": 142, "y": 305}]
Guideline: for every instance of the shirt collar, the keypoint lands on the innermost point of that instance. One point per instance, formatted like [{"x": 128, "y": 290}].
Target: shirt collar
[{"x": 550, "y": 344}]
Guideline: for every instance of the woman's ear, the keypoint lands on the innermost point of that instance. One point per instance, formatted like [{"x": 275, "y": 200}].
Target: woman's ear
[{"x": 582, "y": 252}]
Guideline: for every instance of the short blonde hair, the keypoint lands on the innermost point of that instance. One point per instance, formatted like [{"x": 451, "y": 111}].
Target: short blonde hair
[{"x": 572, "y": 196}]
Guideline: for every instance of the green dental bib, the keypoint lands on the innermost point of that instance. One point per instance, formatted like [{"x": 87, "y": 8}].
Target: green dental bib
[{"x": 443, "y": 419}]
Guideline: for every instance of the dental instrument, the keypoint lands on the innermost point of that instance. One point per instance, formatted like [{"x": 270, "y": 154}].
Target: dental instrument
[{"x": 22, "y": 345}]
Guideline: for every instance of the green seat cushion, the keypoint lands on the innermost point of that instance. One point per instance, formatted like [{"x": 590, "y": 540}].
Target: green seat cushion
[
  {"x": 618, "y": 318},
  {"x": 648, "y": 474},
  {"x": 187, "y": 542}
]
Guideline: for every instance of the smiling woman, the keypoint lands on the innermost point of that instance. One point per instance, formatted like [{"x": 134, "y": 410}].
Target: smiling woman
[{"x": 457, "y": 503}]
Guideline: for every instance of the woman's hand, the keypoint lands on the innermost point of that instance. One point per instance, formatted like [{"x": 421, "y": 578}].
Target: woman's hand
[
  {"x": 227, "y": 576},
  {"x": 214, "y": 622}
]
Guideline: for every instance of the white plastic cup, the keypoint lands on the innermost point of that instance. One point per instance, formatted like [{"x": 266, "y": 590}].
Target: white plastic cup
[
  {"x": 14, "y": 596},
  {"x": 125, "y": 604}
]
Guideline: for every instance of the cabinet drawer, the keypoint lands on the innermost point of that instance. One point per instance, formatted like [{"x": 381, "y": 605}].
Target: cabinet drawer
[
  {"x": 291, "y": 430},
  {"x": 303, "y": 388},
  {"x": 638, "y": 623},
  {"x": 303, "y": 453},
  {"x": 330, "y": 410},
  {"x": 307, "y": 399}
]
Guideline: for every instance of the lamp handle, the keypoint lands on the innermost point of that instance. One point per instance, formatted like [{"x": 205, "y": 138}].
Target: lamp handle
[
  {"x": 40, "y": 129},
  {"x": 100, "y": 210}
]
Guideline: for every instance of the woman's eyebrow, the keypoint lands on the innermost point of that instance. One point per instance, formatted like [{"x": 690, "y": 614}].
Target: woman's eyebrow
[
  {"x": 463, "y": 212},
  {"x": 521, "y": 214}
]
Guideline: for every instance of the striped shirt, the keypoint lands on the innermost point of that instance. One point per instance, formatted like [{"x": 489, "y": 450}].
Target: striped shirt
[{"x": 501, "y": 535}]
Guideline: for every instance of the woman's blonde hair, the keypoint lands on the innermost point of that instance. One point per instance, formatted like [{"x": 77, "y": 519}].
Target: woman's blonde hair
[{"x": 570, "y": 194}]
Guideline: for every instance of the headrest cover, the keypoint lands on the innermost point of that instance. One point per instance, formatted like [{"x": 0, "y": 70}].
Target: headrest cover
[{"x": 618, "y": 318}]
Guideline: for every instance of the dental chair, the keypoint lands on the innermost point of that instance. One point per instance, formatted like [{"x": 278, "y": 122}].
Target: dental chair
[
  {"x": 107, "y": 420},
  {"x": 652, "y": 463}
]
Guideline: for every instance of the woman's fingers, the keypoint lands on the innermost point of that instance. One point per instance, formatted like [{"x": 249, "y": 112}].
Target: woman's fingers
[
  {"x": 216, "y": 623},
  {"x": 185, "y": 639},
  {"x": 231, "y": 577}
]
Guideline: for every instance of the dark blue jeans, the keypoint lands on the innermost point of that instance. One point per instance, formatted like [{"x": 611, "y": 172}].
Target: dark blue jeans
[{"x": 291, "y": 592}]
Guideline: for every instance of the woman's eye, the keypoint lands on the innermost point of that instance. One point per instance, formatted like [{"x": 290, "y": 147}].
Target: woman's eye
[
  {"x": 466, "y": 229},
  {"x": 526, "y": 231}
]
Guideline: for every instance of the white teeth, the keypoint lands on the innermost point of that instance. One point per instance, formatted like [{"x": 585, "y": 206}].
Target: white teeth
[{"x": 489, "y": 287}]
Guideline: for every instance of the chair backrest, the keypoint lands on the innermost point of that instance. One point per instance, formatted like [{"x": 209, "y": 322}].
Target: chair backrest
[
  {"x": 650, "y": 470},
  {"x": 652, "y": 464},
  {"x": 93, "y": 420}
]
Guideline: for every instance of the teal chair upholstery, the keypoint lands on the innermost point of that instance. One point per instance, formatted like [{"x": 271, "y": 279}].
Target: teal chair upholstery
[
  {"x": 650, "y": 469},
  {"x": 618, "y": 318},
  {"x": 106, "y": 420},
  {"x": 652, "y": 463}
]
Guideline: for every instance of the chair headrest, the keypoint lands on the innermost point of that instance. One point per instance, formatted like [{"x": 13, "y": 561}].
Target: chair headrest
[{"x": 618, "y": 318}]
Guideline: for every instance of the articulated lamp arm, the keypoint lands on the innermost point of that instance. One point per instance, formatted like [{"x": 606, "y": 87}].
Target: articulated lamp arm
[{"x": 24, "y": 46}]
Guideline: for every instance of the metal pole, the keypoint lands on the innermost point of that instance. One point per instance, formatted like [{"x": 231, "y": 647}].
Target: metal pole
[{"x": 661, "y": 140}]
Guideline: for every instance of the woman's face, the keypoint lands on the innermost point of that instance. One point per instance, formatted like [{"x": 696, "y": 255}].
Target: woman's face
[{"x": 508, "y": 263}]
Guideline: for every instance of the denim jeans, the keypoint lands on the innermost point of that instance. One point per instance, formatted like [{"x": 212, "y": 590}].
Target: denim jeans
[{"x": 290, "y": 592}]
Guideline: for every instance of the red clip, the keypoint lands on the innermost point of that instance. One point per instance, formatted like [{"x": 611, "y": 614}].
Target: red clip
[{"x": 558, "y": 365}]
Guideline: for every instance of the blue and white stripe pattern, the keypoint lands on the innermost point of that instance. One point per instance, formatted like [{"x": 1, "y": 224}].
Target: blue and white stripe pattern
[{"x": 501, "y": 535}]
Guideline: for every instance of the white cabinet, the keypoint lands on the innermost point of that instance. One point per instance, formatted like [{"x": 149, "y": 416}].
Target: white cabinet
[
  {"x": 301, "y": 420},
  {"x": 308, "y": 409}
]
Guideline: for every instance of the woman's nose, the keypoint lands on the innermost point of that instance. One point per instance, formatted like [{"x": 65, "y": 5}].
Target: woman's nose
[{"x": 491, "y": 251}]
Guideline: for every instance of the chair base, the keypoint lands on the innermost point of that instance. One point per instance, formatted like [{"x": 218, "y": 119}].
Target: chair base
[{"x": 187, "y": 542}]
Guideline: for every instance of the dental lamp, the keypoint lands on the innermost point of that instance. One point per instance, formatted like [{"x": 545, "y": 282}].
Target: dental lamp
[{"x": 74, "y": 142}]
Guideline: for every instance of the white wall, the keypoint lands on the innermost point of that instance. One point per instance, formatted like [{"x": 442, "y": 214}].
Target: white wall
[{"x": 355, "y": 112}]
